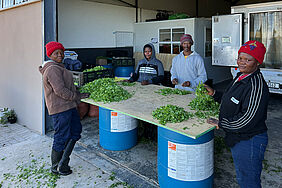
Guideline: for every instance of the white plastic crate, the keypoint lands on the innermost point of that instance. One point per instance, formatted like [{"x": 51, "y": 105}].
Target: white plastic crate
[{"x": 71, "y": 54}]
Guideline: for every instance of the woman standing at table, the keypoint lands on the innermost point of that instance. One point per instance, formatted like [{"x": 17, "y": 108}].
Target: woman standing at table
[
  {"x": 61, "y": 99},
  {"x": 243, "y": 112}
]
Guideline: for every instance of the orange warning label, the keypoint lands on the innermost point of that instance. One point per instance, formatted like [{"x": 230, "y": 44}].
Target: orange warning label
[
  {"x": 114, "y": 113},
  {"x": 171, "y": 146}
]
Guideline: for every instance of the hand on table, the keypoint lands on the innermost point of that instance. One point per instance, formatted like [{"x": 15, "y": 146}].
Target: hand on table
[
  {"x": 214, "y": 122},
  {"x": 174, "y": 81},
  {"x": 145, "y": 82},
  {"x": 209, "y": 89},
  {"x": 84, "y": 95},
  {"x": 186, "y": 84}
]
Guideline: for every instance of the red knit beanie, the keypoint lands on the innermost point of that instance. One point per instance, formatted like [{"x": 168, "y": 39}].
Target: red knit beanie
[
  {"x": 186, "y": 37},
  {"x": 255, "y": 49},
  {"x": 52, "y": 46}
]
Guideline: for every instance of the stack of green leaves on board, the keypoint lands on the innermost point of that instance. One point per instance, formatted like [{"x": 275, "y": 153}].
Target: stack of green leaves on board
[
  {"x": 170, "y": 91},
  {"x": 105, "y": 90},
  {"x": 128, "y": 83},
  {"x": 204, "y": 104},
  {"x": 171, "y": 114},
  {"x": 97, "y": 68}
]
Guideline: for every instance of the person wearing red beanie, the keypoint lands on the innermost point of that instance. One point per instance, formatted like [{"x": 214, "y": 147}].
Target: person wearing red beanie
[
  {"x": 62, "y": 98},
  {"x": 243, "y": 112},
  {"x": 52, "y": 46}
]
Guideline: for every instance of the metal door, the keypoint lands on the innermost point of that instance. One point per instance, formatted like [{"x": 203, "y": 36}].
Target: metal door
[{"x": 226, "y": 39}]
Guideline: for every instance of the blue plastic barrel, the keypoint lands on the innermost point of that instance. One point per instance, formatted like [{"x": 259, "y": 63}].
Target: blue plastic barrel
[
  {"x": 184, "y": 161},
  {"x": 117, "y": 131},
  {"x": 124, "y": 71}
]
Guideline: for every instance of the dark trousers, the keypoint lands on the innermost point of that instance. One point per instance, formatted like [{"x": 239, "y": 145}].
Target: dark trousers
[
  {"x": 248, "y": 156},
  {"x": 67, "y": 126}
]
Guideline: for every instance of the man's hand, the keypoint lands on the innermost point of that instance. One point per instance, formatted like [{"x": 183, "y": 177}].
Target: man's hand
[
  {"x": 145, "y": 82},
  {"x": 186, "y": 84},
  {"x": 214, "y": 122},
  {"x": 84, "y": 95},
  {"x": 174, "y": 81}
]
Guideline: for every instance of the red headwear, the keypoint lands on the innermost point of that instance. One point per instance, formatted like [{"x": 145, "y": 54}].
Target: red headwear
[
  {"x": 255, "y": 49},
  {"x": 186, "y": 37},
  {"x": 52, "y": 46}
]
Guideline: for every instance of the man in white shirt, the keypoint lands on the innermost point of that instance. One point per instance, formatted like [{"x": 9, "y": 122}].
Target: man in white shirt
[{"x": 188, "y": 69}]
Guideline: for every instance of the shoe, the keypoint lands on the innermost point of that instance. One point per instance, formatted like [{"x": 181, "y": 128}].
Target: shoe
[
  {"x": 55, "y": 159},
  {"x": 64, "y": 168}
]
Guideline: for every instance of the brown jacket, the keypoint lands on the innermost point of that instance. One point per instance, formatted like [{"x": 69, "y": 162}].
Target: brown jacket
[{"x": 59, "y": 90}]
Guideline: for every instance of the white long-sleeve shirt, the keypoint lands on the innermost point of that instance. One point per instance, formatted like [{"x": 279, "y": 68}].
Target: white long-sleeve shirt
[{"x": 190, "y": 69}]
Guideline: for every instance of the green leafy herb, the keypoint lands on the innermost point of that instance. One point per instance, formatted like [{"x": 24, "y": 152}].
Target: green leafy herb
[
  {"x": 128, "y": 83},
  {"x": 105, "y": 90},
  {"x": 171, "y": 113},
  {"x": 204, "y": 104},
  {"x": 170, "y": 91}
]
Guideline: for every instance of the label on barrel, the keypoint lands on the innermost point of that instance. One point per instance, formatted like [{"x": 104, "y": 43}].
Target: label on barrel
[
  {"x": 122, "y": 123},
  {"x": 190, "y": 162}
]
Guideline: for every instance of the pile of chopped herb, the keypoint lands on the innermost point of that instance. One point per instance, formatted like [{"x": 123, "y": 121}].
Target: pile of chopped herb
[
  {"x": 204, "y": 104},
  {"x": 170, "y": 91},
  {"x": 171, "y": 114},
  {"x": 105, "y": 90}
]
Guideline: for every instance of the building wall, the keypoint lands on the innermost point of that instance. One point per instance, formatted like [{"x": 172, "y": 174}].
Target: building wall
[
  {"x": 21, "y": 54},
  {"x": 84, "y": 24}
]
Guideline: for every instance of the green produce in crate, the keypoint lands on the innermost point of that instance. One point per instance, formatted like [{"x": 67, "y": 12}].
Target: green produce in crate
[
  {"x": 171, "y": 114},
  {"x": 97, "y": 68},
  {"x": 204, "y": 104},
  {"x": 105, "y": 90},
  {"x": 170, "y": 91}
]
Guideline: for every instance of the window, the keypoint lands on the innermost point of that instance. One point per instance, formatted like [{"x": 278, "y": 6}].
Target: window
[
  {"x": 169, "y": 40},
  {"x": 266, "y": 27},
  {"x": 208, "y": 42},
  {"x": 11, "y": 3}
]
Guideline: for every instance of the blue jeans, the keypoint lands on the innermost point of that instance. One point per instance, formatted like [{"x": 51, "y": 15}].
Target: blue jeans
[
  {"x": 248, "y": 156},
  {"x": 67, "y": 126}
]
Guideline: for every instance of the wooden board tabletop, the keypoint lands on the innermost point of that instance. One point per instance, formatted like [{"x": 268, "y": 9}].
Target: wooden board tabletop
[{"x": 145, "y": 100}]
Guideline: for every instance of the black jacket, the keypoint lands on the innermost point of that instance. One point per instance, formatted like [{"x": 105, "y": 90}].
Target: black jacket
[{"x": 243, "y": 109}]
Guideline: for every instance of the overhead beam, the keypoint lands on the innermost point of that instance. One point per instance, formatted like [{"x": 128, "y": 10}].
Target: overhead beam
[{"x": 127, "y": 3}]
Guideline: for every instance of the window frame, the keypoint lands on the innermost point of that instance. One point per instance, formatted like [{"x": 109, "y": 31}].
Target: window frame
[{"x": 171, "y": 42}]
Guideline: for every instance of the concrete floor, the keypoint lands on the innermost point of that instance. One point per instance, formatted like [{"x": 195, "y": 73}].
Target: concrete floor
[{"x": 141, "y": 160}]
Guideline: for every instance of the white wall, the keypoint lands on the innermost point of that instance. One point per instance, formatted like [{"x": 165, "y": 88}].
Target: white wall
[
  {"x": 21, "y": 55},
  {"x": 84, "y": 24}
]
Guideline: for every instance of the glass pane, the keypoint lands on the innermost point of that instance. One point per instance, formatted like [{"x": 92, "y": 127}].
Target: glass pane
[
  {"x": 176, "y": 48},
  {"x": 208, "y": 43},
  {"x": 176, "y": 34},
  {"x": 165, "y": 35},
  {"x": 266, "y": 27},
  {"x": 165, "y": 48}
]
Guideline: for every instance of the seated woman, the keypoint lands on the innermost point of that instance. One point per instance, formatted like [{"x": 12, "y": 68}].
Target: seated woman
[{"x": 149, "y": 70}]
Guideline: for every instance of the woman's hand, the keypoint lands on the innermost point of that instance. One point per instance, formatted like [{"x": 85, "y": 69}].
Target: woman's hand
[
  {"x": 145, "y": 82},
  {"x": 84, "y": 95},
  {"x": 209, "y": 89},
  {"x": 213, "y": 121}
]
